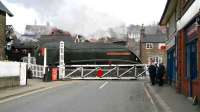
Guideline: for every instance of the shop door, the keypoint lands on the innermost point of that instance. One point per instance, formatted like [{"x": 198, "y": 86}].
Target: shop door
[
  {"x": 191, "y": 63},
  {"x": 171, "y": 65}
]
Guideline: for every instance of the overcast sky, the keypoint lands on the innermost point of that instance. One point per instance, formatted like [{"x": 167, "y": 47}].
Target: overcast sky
[{"x": 84, "y": 16}]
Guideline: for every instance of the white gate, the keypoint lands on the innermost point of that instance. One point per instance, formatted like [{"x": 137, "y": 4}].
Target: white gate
[
  {"x": 132, "y": 71},
  {"x": 37, "y": 70}
]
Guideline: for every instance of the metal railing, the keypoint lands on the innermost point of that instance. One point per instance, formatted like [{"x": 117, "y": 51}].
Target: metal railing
[
  {"x": 37, "y": 70},
  {"x": 131, "y": 71}
]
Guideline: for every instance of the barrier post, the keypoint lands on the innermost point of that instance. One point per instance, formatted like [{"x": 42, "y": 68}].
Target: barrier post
[
  {"x": 61, "y": 61},
  {"x": 45, "y": 60}
]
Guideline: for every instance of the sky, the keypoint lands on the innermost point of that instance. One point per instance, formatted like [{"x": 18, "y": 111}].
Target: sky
[{"x": 83, "y": 16}]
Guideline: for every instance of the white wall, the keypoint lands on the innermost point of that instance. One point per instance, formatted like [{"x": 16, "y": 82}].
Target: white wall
[
  {"x": 13, "y": 69},
  {"x": 23, "y": 73},
  {"x": 9, "y": 69}
]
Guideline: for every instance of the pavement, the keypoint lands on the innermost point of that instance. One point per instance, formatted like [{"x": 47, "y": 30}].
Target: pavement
[{"x": 167, "y": 100}]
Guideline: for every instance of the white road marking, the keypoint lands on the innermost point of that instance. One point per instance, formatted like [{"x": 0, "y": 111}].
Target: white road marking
[
  {"x": 103, "y": 85},
  {"x": 151, "y": 99}
]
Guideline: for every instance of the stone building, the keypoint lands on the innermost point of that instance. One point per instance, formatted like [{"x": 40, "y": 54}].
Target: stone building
[
  {"x": 152, "y": 48},
  {"x": 3, "y": 12}
]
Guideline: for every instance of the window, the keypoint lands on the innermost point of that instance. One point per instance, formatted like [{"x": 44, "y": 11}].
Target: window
[
  {"x": 155, "y": 59},
  {"x": 149, "y": 45}
]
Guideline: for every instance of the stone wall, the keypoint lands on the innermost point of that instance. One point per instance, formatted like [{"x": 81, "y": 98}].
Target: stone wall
[
  {"x": 11, "y": 81},
  {"x": 146, "y": 53}
]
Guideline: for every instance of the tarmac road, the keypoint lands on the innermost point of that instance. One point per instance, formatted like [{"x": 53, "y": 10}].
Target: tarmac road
[{"x": 86, "y": 96}]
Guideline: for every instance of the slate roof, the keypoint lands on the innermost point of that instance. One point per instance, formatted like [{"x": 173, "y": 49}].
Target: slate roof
[
  {"x": 155, "y": 38},
  {"x": 4, "y": 9},
  {"x": 38, "y": 29}
]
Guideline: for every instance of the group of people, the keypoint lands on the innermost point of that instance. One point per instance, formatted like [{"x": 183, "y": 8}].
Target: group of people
[{"x": 156, "y": 73}]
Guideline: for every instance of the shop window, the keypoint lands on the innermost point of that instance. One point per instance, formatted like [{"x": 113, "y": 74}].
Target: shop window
[{"x": 149, "y": 45}]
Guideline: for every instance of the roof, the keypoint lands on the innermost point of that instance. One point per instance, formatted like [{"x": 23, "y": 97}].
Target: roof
[
  {"x": 155, "y": 38},
  {"x": 4, "y": 9},
  {"x": 169, "y": 8},
  {"x": 28, "y": 38},
  {"x": 38, "y": 29}
]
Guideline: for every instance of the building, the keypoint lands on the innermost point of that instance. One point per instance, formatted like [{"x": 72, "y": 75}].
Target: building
[
  {"x": 152, "y": 48},
  {"x": 38, "y": 30},
  {"x": 182, "y": 19},
  {"x": 3, "y": 12}
]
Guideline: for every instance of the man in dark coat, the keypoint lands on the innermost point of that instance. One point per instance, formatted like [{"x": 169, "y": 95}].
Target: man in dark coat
[
  {"x": 156, "y": 77},
  {"x": 161, "y": 72},
  {"x": 29, "y": 74},
  {"x": 152, "y": 73}
]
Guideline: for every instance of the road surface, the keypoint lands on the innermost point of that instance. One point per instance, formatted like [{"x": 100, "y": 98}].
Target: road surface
[{"x": 86, "y": 96}]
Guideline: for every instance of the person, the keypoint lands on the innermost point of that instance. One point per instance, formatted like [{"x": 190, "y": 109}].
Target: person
[
  {"x": 152, "y": 73},
  {"x": 161, "y": 72},
  {"x": 156, "y": 72},
  {"x": 29, "y": 73},
  {"x": 100, "y": 73}
]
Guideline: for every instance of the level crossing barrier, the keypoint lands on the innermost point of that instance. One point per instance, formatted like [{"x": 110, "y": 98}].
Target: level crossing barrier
[{"x": 125, "y": 71}]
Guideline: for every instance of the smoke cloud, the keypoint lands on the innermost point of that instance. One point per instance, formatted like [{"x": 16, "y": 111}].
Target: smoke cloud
[{"x": 70, "y": 15}]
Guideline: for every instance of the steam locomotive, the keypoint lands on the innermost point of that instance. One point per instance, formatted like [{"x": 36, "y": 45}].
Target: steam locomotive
[
  {"x": 78, "y": 53},
  {"x": 89, "y": 53}
]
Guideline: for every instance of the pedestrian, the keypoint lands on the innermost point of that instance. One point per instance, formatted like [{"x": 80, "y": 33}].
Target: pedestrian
[
  {"x": 160, "y": 74},
  {"x": 29, "y": 73},
  {"x": 156, "y": 72},
  {"x": 100, "y": 73},
  {"x": 152, "y": 73}
]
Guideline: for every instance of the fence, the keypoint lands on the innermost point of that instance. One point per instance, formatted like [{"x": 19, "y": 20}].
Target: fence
[{"x": 37, "y": 70}]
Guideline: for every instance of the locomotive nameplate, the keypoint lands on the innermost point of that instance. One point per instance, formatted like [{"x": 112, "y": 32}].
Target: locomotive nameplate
[{"x": 118, "y": 53}]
